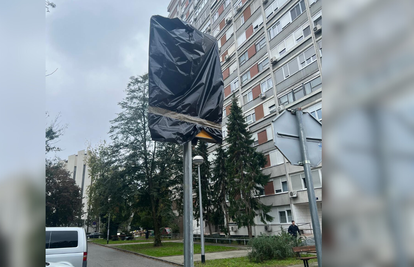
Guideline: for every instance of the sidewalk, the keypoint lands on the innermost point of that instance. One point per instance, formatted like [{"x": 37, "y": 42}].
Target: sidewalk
[
  {"x": 138, "y": 243},
  {"x": 209, "y": 256}
]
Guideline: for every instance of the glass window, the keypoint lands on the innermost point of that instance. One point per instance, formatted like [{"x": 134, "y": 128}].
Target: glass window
[
  {"x": 64, "y": 239},
  {"x": 304, "y": 183},
  {"x": 243, "y": 58},
  {"x": 269, "y": 11},
  {"x": 306, "y": 31},
  {"x": 318, "y": 21},
  {"x": 241, "y": 19},
  {"x": 289, "y": 215},
  {"x": 319, "y": 113},
  {"x": 262, "y": 65},
  {"x": 279, "y": 75},
  {"x": 298, "y": 93},
  {"x": 224, "y": 112},
  {"x": 246, "y": 77},
  {"x": 307, "y": 88},
  {"x": 309, "y": 53},
  {"x": 278, "y": 191},
  {"x": 284, "y": 186},
  {"x": 316, "y": 83},
  {"x": 282, "y": 217},
  {"x": 47, "y": 239},
  {"x": 302, "y": 6},
  {"x": 293, "y": 66},
  {"x": 286, "y": 71},
  {"x": 260, "y": 44}
]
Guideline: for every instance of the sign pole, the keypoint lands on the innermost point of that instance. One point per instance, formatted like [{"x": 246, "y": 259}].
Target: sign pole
[
  {"x": 188, "y": 207},
  {"x": 310, "y": 188},
  {"x": 203, "y": 257}
]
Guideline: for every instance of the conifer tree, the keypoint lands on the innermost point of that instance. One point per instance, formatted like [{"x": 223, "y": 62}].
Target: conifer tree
[
  {"x": 244, "y": 173},
  {"x": 220, "y": 187},
  {"x": 206, "y": 190}
]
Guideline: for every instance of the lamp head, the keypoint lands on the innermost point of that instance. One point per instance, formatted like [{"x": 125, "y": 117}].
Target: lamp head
[{"x": 198, "y": 160}]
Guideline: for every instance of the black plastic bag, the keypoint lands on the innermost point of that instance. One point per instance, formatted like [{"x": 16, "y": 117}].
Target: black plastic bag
[{"x": 185, "y": 82}]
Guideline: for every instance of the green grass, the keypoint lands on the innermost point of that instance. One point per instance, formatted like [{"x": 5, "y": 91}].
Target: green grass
[
  {"x": 171, "y": 249},
  {"x": 136, "y": 240},
  {"x": 245, "y": 262}
]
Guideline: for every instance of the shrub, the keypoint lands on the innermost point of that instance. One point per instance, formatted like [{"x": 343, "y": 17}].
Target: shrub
[{"x": 272, "y": 247}]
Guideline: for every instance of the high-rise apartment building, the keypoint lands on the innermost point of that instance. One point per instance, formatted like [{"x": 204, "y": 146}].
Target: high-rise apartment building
[{"x": 271, "y": 58}]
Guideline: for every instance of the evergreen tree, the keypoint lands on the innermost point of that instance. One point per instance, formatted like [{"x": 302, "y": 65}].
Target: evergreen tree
[
  {"x": 206, "y": 190},
  {"x": 244, "y": 173},
  {"x": 220, "y": 188},
  {"x": 151, "y": 166}
]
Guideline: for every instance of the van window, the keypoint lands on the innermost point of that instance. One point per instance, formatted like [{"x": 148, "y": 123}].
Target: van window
[
  {"x": 64, "y": 239},
  {"x": 48, "y": 239}
]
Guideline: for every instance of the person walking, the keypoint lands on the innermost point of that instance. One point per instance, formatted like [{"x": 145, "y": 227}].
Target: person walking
[{"x": 294, "y": 229}]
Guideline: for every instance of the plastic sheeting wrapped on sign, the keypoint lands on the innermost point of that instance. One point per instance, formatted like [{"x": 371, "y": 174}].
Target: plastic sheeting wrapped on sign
[{"x": 185, "y": 82}]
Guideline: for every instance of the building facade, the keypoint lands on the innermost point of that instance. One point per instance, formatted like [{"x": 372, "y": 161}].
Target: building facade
[
  {"x": 271, "y": 59},
  {"x": 79, "y": 171}
]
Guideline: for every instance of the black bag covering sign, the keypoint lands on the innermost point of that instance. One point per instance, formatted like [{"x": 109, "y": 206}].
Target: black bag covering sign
[{"x": 185, "y": 82}]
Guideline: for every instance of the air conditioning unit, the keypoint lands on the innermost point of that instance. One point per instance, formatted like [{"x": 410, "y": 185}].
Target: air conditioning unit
[
  {"x": 262, "y": 96},
  {"x": 280, "y": 108},
  {"x": 273, "y": 60},
  {"x": 234, "y": 228},
  {"x": 195, "y": 19},
  {"x": 268, "y": 228},
  {"x": 208, "y": 29},
  {"x": 228, "y": 20},
  {"x": 227, "y": 58},
  {"x": 265, "y": 2},
  {"x": 239, "y": 9},
  {"x": 293, "y": 194},
  {"x": 317, "y": 28}
]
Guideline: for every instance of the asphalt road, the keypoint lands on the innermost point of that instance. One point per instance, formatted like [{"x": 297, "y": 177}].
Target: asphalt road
[{"x": 99, "y": 256}]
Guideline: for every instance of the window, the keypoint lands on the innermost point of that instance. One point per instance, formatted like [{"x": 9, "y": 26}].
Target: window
[
  {"x": 262, "y": 65},
  {"x": 242, "y": 19},
  {"x": 320, "y": 47},
  {"x": 250, "y": 118},
  {"x": 241, "y": 38},
  {"x": 233, "y": 67},
  {"x": 48, "y": 233},
  {"x": 229, "y": 33},
  {"x": 285, "y": 216},
  {"x": 243, "y": 58},
  {"x": 272, "y": 108},
  {"x": 257, "y": 23},
  {"x": 63, "y": 239},
  {"x": 284, "y": 186},
  {"x": 266, "y": 85},
  {"x": 297, "y": 10},
  {"x": 215, "y": 17},
  {"x": 273, "y": 7},
  {"x": 300, "y": 92},
  {"x": 318, "y": 21},
  {"x": 224, "y": 112},
  {"x": 286, "y": 99},
  {"x": 248, "y": 97},
  {"x": 234, "y": 84},
  {"x": 245, "y": 77},
  {"x": 304, "y": 182},
  {"x": 317, "y": 114},
  {"x": 260, "y": 44}
]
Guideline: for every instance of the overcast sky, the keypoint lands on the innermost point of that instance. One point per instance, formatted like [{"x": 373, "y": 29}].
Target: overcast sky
[{"x": 96, "y": 46}]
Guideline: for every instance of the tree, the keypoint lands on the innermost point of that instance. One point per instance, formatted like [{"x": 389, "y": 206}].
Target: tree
[
  {"x": 206, "y": 190},
  {"x": 63, "y": 197},
  {"x": 244, "y": 173},
  {"x": 53, "y": 131},
  {"x": 220, "y": 187},
  {"x": 151, "y": 166}
]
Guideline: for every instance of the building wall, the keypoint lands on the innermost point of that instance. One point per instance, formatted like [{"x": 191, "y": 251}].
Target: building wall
[
  {"x": 290, "y": 81},
  {"x": 79, "y": 171}
]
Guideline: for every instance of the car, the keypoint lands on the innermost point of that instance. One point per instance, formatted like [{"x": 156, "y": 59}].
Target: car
[
  {"x": 66, "y": 245},
  {"x": 59, "y": 264},
  {"x": 94, "y": 235}
]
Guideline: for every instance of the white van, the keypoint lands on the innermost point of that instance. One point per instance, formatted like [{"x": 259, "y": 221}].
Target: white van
[{"x": 66, "y": 244}]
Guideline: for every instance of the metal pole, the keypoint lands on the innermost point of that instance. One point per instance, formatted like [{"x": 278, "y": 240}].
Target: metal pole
[
  {"x": 203, "y": 257},
  {"x": 107, "y": 234},
  {"x": 188, "y": 207},
  {"x": 309, "y": 184}
]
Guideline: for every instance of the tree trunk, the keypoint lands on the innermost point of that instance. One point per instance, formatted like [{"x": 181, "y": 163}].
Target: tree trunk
[
  {"x": 209, "y": 227},
  {"x": 226, "y": 215},
  {"x": 249, "y": 230},
  {"x": 157, "y": 233}
]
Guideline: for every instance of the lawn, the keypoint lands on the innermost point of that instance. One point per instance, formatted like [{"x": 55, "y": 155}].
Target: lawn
[
  {"x": 137, "y": 240},
  {"x": 171, "y": 249},
  {"x": 245, "y": 262}
]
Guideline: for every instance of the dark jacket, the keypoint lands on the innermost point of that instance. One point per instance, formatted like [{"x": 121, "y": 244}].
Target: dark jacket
[{"x": 294, "y": 230}]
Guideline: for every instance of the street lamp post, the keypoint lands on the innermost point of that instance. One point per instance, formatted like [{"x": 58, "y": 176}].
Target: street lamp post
[
  {"x": 109, "y": 220},
  {"x": 198, "y": 160}
]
